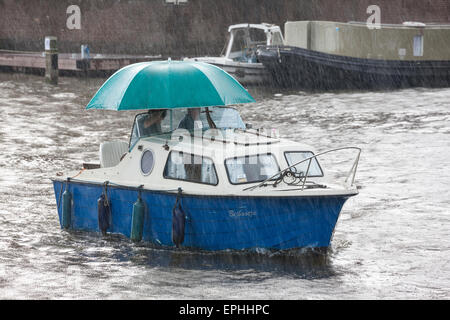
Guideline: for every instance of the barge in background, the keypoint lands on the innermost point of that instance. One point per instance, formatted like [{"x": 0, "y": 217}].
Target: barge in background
[{"x": 330, "y": 55}]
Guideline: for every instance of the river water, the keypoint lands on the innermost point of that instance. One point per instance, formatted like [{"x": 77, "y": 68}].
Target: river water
[{"x": 392, "y": 241}]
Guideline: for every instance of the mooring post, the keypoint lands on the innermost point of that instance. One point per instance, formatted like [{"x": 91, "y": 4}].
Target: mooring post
[
  {"x": 51, "y": 60},
  {"x": 85, "y": 62}
]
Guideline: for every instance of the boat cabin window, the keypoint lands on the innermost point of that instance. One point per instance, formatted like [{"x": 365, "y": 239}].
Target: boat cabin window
[
  {"x": 223, "y": 118},
  {"x": 191, "y": 168},
  {"x": 294, "y": 157},
  {"x": 251, "y": 169},
  {"x": 211, "y": 118},
  {"x": 157, "y": 122},
  {"x": 151, "y": 123},
  {"x": 245, "y": 42},
  {"x": 257, "y": 36},
  {"x": 418, "y": 46},
  {"x": 147, "y": 162},
  {"x": 277, "y": 39},
  {"x": 239, "y": 45}
]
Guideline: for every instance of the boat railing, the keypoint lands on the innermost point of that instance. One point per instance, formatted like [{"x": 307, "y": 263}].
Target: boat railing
[{"x": 301, "y": 178}]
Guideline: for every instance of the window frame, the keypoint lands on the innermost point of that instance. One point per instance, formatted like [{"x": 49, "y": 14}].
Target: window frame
[
  {"x": 131, "y": 146},
  {"x": 248, "y": 156},
  {"x": 153, "y": 164},
  {"x": 191, "y": 181},
  {"x": 418, "y": 45},
  {"x": 317, "y": 161}
]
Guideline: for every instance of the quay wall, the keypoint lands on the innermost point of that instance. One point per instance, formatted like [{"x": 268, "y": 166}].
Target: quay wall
[{"x": 198, "y": 27}]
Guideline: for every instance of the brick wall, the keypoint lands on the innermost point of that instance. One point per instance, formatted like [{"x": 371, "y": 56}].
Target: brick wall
[{"x": 197, "y": 28}]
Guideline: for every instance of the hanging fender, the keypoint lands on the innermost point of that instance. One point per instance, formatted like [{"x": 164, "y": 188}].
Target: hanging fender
[
  {"x": 104, "y": 211},
  {"x": 137, "y": 218},
  {"x": 66, "y": 218},
  {"x": 178, "y": 222}
]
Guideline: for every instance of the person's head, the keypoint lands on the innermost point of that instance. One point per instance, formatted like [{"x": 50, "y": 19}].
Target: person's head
[
  {"x": 157, "y": 114},
  {"x": 194, "y": 113}
]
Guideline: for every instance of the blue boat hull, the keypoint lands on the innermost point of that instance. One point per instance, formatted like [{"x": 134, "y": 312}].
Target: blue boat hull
[{"x": 212, "y": 222}]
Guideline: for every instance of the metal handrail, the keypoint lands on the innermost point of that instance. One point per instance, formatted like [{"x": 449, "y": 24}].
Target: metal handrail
[{"x": 353, "y": 169}]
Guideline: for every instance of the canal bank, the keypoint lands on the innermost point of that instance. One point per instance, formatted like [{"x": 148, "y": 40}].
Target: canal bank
[
  {"x": 68, "y": 64},
  {"x": 192, "y": 28}
]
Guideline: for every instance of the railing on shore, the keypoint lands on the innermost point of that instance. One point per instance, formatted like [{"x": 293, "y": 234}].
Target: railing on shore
[{"x": 69, "y": 62}]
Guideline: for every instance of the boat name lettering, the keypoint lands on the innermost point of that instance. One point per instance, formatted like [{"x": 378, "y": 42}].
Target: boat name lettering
[{"x": 233, "y": 213}]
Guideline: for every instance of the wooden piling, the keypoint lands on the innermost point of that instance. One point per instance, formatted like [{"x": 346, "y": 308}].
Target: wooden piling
[{"x": 51, "y": 60}]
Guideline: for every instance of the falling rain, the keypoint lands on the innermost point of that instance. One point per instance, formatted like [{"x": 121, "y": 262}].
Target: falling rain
[{"x": 193, "y": 149}]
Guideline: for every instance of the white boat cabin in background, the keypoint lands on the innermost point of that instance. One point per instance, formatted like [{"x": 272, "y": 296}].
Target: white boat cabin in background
[{"x": 239, "y": 55}]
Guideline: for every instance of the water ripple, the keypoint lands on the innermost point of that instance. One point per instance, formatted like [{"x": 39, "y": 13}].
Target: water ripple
[{"x": 390, "y": 241}]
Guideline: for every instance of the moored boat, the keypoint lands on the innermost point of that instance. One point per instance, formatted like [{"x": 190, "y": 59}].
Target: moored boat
[
  {"x": 328, "y": 55},
  {"x": 193, "y": 175},
  {"x": 239, "y": 56}
]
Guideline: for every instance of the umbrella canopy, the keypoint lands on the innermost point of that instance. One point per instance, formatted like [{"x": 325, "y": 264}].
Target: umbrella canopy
[{"x": 169, "y": 85}]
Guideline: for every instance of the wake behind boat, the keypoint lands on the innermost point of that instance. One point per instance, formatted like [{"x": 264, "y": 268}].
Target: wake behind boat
[{"x": 192, "y": 175}]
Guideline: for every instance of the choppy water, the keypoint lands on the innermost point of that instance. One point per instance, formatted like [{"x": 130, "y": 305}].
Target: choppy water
[{"x": 392, "y": 241}]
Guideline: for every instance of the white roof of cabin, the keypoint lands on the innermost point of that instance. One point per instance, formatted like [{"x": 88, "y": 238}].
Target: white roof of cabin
[{"x": 263, "y": 26}]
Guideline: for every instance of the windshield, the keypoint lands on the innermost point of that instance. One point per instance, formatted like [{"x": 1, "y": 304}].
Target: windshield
[
  {"x": 224, "y": 118},
  {"x": 158, "y": 122},
  {"x": 277, "y": 39},
  {"x": 257, "y": 36},
  {"x": 251, "y": 169},
  {"x": 313, "y": 168},
  {"x": 245, "y": 42}
]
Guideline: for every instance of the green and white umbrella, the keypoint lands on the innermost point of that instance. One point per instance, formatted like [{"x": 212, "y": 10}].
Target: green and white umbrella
[{"x": 169, "y": 85}]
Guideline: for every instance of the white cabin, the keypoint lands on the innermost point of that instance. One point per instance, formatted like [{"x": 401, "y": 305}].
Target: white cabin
[
  {"x": 239, "y": 59},
  {"x": 225, "y": 160}
]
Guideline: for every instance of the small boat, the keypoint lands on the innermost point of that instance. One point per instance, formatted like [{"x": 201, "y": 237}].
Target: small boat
[
  {"x": 325, "y": 55},
  {"x": 239, "y": 55},
  {"x": 193, "y": 175}
]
